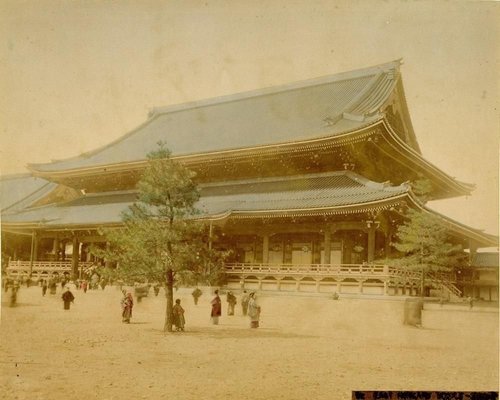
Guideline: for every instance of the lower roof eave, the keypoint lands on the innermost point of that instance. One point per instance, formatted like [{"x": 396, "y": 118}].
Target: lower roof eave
[
  {"x": 460, "y": 188},
  {"x": 378, "y": 205},
  {"x": 29, "y": 227}
]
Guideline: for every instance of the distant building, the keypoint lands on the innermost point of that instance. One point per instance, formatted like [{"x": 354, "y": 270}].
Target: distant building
[
  {"x": 480, "y": 279},
  {"x": 305, "y": 182}
]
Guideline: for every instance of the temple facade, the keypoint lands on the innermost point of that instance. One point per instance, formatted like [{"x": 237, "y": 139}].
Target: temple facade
[{"x": 306, "y": 183}]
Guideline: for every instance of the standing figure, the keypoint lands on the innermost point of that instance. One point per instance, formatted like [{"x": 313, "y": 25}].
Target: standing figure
[
  {"x": 44, "y": 287},
  {"x": 253, "y": 311},
  {"x": 156, "y": 288},
  {"x": 216, "y": 308},
  {"x": 196, "y": 295},
  {"x": 244, "y": 302},
  {"x": 94, "y": 281},
  {"x": 231, "y": 301},
  {"x": 178, "y": 316},
  {"x": 68, "y": 298},
  {"x": 127, "y": 305},
  {"x": 14, "y": 287},
  {"x": 6, "y": 284},
  {"x": 52, "y": 286},
  {"x": 85, "y": 286}
]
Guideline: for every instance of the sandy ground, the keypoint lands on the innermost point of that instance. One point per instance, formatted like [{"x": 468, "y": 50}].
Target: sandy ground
[{"x": 306, "y": 348}]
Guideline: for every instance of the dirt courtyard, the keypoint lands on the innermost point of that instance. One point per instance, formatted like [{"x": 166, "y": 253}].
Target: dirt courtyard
[{"x": 306, "y": 348}]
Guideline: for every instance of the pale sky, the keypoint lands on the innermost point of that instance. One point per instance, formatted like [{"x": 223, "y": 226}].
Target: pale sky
[{"x": 76, "y": 75}]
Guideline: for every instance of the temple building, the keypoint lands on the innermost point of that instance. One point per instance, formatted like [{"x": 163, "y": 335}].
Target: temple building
[{"x": 306, "y": 183}]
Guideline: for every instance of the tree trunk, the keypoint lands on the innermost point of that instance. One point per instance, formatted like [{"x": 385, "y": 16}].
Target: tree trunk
[
  {"x": 422, "y": 284},
  {"x": 169, "y": 293}
]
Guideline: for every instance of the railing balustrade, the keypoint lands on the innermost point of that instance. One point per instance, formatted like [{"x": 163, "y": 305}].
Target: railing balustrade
[
  {"x": 379, "y": 271},
  {"x": 24, "y": 267},
  {"x": 308, "y": 269}
]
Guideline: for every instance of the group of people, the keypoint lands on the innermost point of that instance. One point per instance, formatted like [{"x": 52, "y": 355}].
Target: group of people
[
  {"x": 127, "y": 304},
  {"x": 249, "y": 303},
  {"x": 249, "y": 306}
]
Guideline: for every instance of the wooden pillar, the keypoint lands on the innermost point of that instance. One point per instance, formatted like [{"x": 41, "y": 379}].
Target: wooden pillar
[
  {"x": 83, "y": 251},
  {"x": 388, "y": 240},
  {"x": 265, "y": 249},
  {"x": 36, "y": 246},
  {"x": 32, "y": 253},
  {"x": 63, "y": 251},
  {"x": 55, "y": 248},
  {"x": 75, "y": 257},
  {"x": 327, "y": 247},
  {"x": 347, "y": 250},
  {"x": 371, "y": 243}
]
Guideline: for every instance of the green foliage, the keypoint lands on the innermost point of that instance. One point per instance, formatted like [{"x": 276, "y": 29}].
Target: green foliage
[
  {"x": 422, "y": 188},
  {"x": 160, "y": 231},
  {"x": 161, "y": 240},
  {"x": 425, "y": 242}
]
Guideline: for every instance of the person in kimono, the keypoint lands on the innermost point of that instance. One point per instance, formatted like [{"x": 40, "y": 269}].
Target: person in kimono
[
  {"x": 67, "y": 298},
  {"x": 216, "y": 308}
]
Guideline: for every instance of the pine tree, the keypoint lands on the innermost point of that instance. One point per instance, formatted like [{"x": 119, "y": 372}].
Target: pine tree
[
  {"x": 426, "y": 244},
  {"x": 161, "y": 240}
]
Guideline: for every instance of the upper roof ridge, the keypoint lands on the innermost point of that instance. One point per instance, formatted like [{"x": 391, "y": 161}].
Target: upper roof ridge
[{"x": 389, "y": 67}]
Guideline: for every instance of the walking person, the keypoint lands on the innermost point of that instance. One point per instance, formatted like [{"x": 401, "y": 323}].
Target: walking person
[
  {"x": 244, "y": 302},
  {"x": 6, "y": 284},
  {"x": 178, "y": 316},
  {"x": 52, "y": 286},
  {"x": 253, "y": 311},
  {"x": 231, "y": 301},
  {"x": 44, "y": 287},
  {"x": 68, "y": 298},
  {"x": 14, "y": 287},
  {"x": 85, "y": 286},
  {"x": 216, "y": 308},
  {"x": 196, "y": 295},
  {"x": 127, "y": 305}
]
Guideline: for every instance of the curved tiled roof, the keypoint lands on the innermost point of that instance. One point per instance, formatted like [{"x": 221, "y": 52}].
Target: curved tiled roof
[
  {"x": 320, "y": 107},
  {"x": 343, "y": 190},
  {"x": 316, "y": 191},
  {"x": 340, "y": 192},
  {"x": 19, "y": 191}
]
